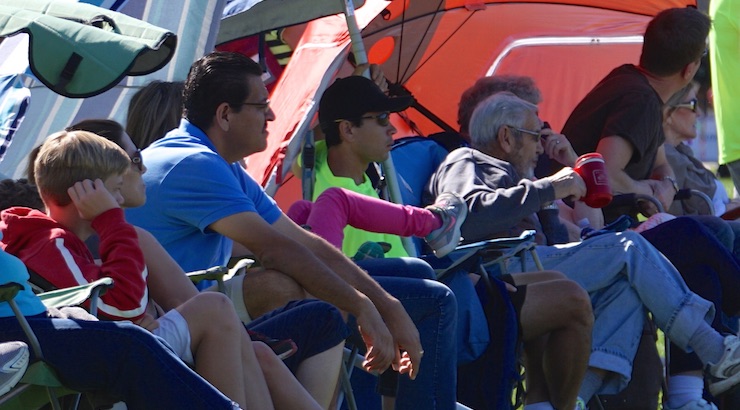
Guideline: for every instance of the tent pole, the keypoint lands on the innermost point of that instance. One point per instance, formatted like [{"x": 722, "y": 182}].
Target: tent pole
[{"x": 358, "y": 50}]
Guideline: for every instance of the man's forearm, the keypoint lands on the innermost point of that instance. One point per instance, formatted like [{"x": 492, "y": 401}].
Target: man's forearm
[
  {"x": 310, "y": 271},
  {"x": 353, "y": 275},
  {"x": 663, "y": 171},
  {"x": 621, "y": 183}
]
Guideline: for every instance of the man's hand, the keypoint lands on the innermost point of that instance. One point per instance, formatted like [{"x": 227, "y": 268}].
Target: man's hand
[
  {"x": 558, "y": 148},
  {"x": 406, "y": 339},
  {"x": 376, "y": 74},
  {"x": 378, "y": 340},
  {"x": 567, "y": 183},
  {"x": 92, "y": 198},
  {"x": 664, "y": 191}
]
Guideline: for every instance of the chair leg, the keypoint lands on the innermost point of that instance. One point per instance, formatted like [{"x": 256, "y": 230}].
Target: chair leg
[{"x": 345, "y": 374}]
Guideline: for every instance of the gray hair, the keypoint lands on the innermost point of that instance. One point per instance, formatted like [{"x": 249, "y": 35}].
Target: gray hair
[{"x": 493, "y": 113}]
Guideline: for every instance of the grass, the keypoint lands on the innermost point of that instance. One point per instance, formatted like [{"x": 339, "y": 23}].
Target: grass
[{"x": 727, "y": 182}]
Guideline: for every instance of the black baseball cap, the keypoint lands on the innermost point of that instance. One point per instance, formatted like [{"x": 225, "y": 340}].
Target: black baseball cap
[{"x": 352, "y": 97}]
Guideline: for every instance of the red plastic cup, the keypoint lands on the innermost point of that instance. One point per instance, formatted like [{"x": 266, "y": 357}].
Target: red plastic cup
[{"x": 592, "y": 169}]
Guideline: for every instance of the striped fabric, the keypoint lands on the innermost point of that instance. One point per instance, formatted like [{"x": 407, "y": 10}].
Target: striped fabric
[
  {"x": 13, "y": 105},
  {"x": 195, "y": 22}
]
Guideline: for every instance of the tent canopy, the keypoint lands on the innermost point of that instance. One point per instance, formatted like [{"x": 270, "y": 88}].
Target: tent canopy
[
  {"x": 248, "y": 17},
  {"x": 79, "y": 50},
  {"x": 437, "y": 49},
  {"x": 194, "y": 22}
]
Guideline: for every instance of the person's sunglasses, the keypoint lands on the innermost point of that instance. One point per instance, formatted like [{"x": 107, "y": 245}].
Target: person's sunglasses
[
  {"x": 691, "y": 105},
  {"x": 383, "y": 119},
  {"x": 264, "y": 106},
  {"x": 535, "y": 134},
  {"x": 137, "y": 161}
]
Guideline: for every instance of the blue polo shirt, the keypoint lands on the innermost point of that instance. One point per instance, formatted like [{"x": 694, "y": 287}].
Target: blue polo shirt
[{"x": 189, "y": 187}]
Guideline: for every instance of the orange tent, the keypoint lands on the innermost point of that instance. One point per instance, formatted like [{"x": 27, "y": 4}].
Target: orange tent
[{"x": 436, "y": 49}]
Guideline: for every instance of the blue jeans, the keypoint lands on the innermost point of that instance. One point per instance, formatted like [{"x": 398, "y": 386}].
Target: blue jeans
[
  {"x": 622, "y": 272},
  {"x": 120, "y": 360},
  {"x": 726, "y": 232},
  {"x": 314, "y": 326},
  {"x": 433, "y": 308},
  {"x": 708, "y": 268}
]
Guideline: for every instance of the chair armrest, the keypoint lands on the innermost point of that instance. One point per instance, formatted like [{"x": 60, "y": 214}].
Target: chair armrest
[
  {"x": 478, "y": 255},
  {"x": 240, "y": 265},
  {"x": 8, "y": 291},
  {"x": 682, "y": 194},
  {"x": 220, "y": 273},
  {"x": 76, "y": 295},
  {"x": 630, "y": 200},
  {"x": 216, "y": 273},
  {"x": 703, "y": 196}
]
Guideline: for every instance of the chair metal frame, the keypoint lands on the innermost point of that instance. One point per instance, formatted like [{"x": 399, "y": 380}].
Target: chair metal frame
[{"x": 40, "y": 376}]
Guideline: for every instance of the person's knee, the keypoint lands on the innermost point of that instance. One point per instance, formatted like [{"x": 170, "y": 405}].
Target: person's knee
[
  {"x": 578, "y": 303},
  {"x": 445, "y": 297},
  {"x": 215, "y": 308},
  {"x": 265, "y": 356}
]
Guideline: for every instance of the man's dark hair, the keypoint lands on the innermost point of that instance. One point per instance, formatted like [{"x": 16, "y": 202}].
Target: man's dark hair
[
  {"x": 331, "y": 131},
  {"x": 673, "y": 39},
  {"x": 214, "y": 79},
  {"x": 19, "y": 193},
  {"x": 521, "y": 86}
]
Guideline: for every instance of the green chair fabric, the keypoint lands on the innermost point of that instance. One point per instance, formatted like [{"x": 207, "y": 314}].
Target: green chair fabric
[{"x": 79, "y": 50}]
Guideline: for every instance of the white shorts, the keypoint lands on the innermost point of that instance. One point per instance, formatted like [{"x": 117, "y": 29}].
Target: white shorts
[
  {"x": 234, "y": 292},
  {"x": 175, "y": 331}
]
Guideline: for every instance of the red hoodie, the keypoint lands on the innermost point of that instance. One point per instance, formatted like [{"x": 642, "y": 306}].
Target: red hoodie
[{"x": 61, "y": 257}]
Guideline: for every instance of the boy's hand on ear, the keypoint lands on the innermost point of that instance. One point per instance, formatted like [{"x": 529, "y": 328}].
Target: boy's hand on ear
[{"x": 91, "y": 198}]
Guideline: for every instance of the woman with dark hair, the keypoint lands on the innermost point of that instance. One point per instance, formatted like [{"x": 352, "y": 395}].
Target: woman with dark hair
[{"x": 153, "y": 111}]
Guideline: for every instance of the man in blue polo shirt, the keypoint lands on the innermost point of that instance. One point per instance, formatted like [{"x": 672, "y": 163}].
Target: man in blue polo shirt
[{"x": 201, "y": 204}]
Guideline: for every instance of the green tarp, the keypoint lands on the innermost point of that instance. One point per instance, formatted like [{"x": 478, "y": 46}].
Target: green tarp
[{"x": 79, "y": 50}]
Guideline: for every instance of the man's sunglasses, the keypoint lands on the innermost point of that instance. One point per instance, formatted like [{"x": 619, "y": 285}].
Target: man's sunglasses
[
  {"x": 383, "y": 119},
  {"x": 691, "y": 105}
]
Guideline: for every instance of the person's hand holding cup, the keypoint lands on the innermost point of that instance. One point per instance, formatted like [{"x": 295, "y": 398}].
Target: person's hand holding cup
[{"x": 592, "y": 169}]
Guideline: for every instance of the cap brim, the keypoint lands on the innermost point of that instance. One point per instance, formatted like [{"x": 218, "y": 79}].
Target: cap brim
[{"x": 394, "y": 104}]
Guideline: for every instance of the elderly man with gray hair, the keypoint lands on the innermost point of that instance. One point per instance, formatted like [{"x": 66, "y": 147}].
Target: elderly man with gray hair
[{"x": 622, "y": 272}]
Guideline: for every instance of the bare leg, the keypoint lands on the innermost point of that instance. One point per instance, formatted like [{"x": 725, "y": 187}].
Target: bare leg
[
  {"x": 285, "y": 390},
  {"x": 557, "y": 318},
  {"x": 167, "y": 283},
  {"x": 265, "y": 290},
  {"x": 319, "y": 374},
  {"x": 217, "y": 340}
]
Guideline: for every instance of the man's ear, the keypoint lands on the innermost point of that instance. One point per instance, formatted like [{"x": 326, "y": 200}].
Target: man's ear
[
  {"x": 223, "y": 111},
  {"x": 505, "y": 140},
  {"x": 690, "y": 70},
  {"x": 346, "y": 130}
]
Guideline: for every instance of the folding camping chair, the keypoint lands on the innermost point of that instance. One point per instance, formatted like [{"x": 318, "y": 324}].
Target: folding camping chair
[
  {"x": 40, "y": 384},
  {"x": 426, "y": 156},
  {"x": 629, "y": 204}
]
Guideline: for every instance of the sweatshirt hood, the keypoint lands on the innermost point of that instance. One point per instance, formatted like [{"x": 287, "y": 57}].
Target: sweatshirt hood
[{"x": 21, "y": 225}]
